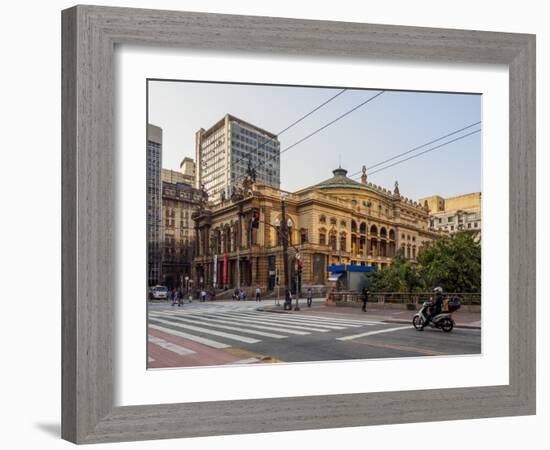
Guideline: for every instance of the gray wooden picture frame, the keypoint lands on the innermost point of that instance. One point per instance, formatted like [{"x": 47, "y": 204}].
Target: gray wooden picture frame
[{"x": 90, "y": 34}]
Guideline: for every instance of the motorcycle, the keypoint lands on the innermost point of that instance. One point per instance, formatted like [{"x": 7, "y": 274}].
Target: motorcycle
[{"x": 443, "y": 320}]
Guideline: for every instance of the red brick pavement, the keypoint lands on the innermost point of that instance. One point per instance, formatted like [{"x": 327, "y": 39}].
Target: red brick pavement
[{"x": 203, "y": 356}]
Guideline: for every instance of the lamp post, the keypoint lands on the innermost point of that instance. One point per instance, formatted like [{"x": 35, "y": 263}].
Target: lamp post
[{"x": 284, "y": 234}]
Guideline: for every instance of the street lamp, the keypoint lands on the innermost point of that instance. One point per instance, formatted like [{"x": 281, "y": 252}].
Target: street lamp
[{"x": 285, "y": 234}]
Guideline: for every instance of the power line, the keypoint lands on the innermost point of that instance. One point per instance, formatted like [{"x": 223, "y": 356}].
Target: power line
[
  {"x": 317, "y": 130},
  {"x": 426, "y": 151},
  {"x": 296, "y": 122},
  {"x": 417, "y": 148}
]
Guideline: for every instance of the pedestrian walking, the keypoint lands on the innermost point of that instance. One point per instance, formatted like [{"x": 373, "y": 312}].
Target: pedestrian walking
[
  {"x": 258, "y": 294},
  {"x": 236, "y": 294},
  {"x": 173, "y": 296},
  {"x": 365, "y": 298},
  {"x": 288, "y": 300},
  {"x": 203, "y": 295},
  {"x": 242, "y": 295},
  {"x": 309, "y": 297}
]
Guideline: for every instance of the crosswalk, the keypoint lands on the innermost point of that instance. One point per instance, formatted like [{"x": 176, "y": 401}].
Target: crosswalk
[{"x": 222, "y": 328}]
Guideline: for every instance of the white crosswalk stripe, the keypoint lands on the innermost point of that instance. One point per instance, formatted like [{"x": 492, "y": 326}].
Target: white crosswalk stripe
[
  {"x": 235, "y": 337},
  {"x": 191, "y": 337},
  {"x": 245, "y": 323},
  {"x": 275, "y": 321},
  {"x": 331, "y": 323},
  {"x": 169, "y": 346},
  {"x": 202, "y": 321},
  {"x": 370, "y": 333},
  {"x": 338, "y": 320}
]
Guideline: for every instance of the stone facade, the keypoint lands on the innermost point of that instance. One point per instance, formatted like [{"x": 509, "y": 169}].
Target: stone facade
[
  {"x": 338, "y": 221},
  {"x": 179, "y": 202},
  {"x": 454, "y": 214}
]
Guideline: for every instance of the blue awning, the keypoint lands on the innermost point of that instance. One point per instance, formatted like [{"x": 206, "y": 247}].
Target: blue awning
[
  {"x": 336, "y": 268},
  {"x": 340, "y": 268}
]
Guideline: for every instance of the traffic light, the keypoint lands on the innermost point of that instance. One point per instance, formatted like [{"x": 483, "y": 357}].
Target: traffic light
[
  {"x": 299, "y": 264},
  {"x": 255, "y": 218}
]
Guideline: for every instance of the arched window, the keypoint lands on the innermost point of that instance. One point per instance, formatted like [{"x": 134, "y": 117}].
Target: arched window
[
  {"x": 333, "y": 221},
  {"x": 218, "y": 241},
  {"x": 322, "y": 219},
  {"x": 332, "y": 241},
  {"x": 353, "y": 226},
  {"x": 322, "y": 236},
  {"x": 363, "y": 228},
  {"x": 343, "y": 242},
  {"x": 392, "y": 235},
  {"x": 383, "y": 232},
  {"x": 373, "y": 230}
]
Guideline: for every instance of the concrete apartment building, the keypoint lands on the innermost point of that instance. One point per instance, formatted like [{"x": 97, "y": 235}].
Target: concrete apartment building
[
  {"x": 154, "y": 202},
  {"x": 186, "y": 174},
  {"x": 454, "y": 214},
  {"x": 225, "y": 150}
]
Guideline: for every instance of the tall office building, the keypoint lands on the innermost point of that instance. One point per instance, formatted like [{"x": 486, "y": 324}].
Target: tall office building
[
  {"x": 154, "y": 203},
  {"x": 224, "y": 152}
]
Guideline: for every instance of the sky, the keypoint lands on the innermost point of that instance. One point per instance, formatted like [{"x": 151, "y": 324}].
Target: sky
[{"x": 393, "y": 123}]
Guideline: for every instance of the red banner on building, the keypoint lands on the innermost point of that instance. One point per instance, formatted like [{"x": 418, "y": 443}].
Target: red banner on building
[{"x": 225, "y": 269}]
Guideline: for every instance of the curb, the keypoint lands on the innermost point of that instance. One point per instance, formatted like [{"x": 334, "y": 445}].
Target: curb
[{"x": 457, "y": 325}]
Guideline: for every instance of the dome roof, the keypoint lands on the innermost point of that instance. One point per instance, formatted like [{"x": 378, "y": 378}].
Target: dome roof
[{"x": 339, "y": 179}]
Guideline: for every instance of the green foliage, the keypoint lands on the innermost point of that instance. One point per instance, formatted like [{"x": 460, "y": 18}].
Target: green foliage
[
  {"x": 454, "y": 263},
  {"x": 400, "y": 276}
]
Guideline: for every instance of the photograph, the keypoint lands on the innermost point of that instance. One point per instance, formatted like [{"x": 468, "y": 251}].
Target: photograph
[{"x": 296, "y": 224}]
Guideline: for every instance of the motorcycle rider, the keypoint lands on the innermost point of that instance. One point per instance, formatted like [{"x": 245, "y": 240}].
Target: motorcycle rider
[{"x": 435, "y": 309}]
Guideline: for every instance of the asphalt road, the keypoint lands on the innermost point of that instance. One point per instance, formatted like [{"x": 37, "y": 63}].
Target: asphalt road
[{"x": 231, "y": 332}]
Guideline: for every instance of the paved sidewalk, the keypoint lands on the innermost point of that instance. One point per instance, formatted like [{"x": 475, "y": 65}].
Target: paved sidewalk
[{"x": 462, "y": 318}]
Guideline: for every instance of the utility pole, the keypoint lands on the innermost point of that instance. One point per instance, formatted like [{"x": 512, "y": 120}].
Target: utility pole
[
  {"x": 284, "y": 234},
  {"x": 239, "y": 239}
]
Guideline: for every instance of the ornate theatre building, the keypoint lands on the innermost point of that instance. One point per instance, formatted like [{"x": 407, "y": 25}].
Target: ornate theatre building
[{"x": 338, "y": 221}]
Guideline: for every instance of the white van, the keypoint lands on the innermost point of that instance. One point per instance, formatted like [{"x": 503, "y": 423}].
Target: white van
[{"x": 159, "y": 293}]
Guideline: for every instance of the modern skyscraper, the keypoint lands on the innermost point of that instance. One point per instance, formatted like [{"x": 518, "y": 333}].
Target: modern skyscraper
[
  {"x": 226, "y": 150},
  {"x": 154, "y": 203}
]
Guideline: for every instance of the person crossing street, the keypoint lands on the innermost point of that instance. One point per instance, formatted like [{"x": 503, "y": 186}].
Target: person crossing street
[
  {"x": 309, "y": 297},
  {"x": 365, "y": 298}
]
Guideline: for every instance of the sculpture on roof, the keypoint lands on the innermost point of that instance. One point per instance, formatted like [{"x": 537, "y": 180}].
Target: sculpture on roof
[
  {"x": 364, "y": 175},
  {"x": 396, "y": 189}
]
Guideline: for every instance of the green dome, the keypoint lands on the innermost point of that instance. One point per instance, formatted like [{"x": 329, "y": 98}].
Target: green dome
[{"x": 339, "y": 179}]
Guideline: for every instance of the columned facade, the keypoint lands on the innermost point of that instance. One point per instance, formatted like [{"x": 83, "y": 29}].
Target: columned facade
[{"x": 338, "y": 221}]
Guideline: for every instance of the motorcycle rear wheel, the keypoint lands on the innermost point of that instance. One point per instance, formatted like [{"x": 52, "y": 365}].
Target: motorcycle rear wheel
[
  {"x": 447, "y": 325},
  {"x": 418, "y": 323}
]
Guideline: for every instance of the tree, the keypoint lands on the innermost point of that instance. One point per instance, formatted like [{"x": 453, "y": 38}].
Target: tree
[
  {"x": 454, "y": 263},
  {"x": 399, "y": 276}
]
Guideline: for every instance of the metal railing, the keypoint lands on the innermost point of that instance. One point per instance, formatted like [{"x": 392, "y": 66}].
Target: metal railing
[{"x": 403, "y": 298}]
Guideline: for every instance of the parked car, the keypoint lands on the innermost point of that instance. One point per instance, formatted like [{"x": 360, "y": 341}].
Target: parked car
[{"x": 159, "y": 293}]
